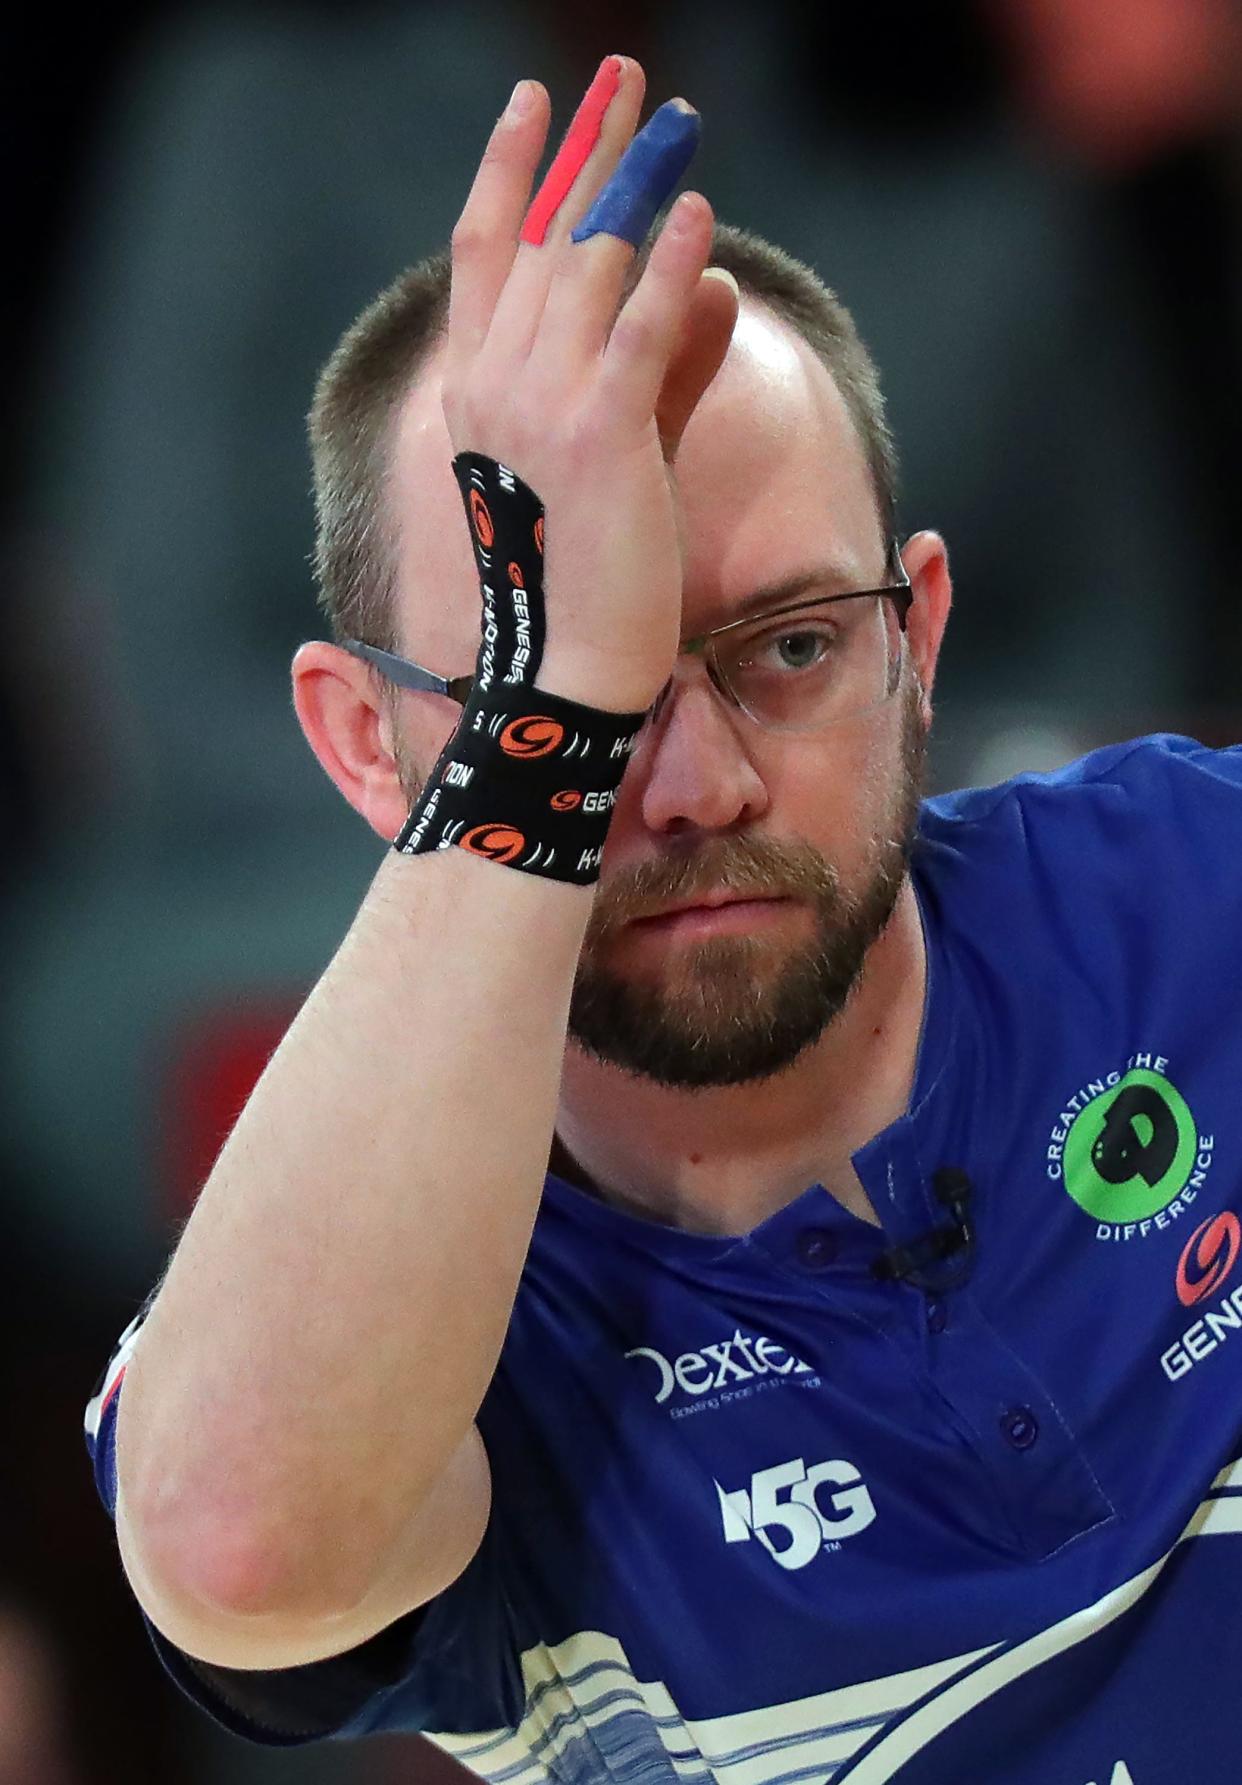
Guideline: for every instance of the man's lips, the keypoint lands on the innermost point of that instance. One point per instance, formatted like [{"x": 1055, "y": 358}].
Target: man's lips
[
  {"x": 709, "y": 902},
  {"x": 713, "y": 911}
]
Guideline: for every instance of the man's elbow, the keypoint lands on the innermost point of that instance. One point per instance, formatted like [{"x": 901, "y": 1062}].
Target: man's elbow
[{"x": 225, "y": 1596}]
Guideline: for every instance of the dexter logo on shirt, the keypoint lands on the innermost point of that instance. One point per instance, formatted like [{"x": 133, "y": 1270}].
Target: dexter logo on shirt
[{"x": 711, "y": 1376}]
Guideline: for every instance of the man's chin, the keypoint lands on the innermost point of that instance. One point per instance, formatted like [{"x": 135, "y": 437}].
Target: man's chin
[
  {"x": 694, "y": 971},
  {"x": 716, "y": 1019},
  {"x": 688, "y": 1062}
]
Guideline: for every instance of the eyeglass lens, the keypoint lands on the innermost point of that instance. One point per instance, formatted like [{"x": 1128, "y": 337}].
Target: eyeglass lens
[{"x": 824, "y": 663}]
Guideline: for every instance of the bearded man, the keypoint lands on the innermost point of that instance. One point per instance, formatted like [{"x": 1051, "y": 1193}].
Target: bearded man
[{"x": 729, "y": 1275}]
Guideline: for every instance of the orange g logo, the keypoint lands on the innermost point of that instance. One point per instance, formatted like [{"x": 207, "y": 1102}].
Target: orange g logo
[
  {"x": 566, "y": 800},
  {"x": 482, "y": 519},
  {"x": 531, "y": 737},
  {"x": 499, "y": 842},
  {"x": 516, "y": 577},
  {"x": 539, "y": 535},
  {"x": 1209, "y": 1255}
]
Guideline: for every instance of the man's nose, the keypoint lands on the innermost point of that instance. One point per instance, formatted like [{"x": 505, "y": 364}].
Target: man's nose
[{"x": 697, "y": 768}]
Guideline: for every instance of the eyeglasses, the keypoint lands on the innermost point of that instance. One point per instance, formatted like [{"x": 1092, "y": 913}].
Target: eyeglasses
[{"x": 794, "y": 669}]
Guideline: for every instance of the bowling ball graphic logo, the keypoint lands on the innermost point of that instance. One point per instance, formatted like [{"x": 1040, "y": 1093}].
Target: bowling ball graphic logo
[{"x": 1129, "y": 1151}]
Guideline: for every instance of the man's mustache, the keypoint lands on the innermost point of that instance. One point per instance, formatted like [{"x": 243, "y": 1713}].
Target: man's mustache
[{"x": 748, "y": 867}]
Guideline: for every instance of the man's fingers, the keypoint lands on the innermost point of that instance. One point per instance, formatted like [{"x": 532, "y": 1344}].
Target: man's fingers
[
  {"x": 647, "y": 332},
  {"x": 574, "y": 153},
  {"x": 485, "y": 239},
  {"x": 698, "y": 355},
  {"x": 611, "y": 120},
  {"x": 582, "y": 301},
  {"x": 645, "y": 176}
]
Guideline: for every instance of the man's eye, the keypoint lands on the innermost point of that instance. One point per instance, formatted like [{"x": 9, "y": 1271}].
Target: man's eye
[
  {"x": 799, "y": 650},
  {"x": 781, "y": 652}
]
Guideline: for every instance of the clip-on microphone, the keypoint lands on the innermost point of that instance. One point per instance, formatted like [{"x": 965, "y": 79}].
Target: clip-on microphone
[{"x": 910, "y": 1263}]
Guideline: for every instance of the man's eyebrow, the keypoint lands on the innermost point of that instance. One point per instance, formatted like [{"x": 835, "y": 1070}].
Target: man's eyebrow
[{"x": 832, "y": 578}]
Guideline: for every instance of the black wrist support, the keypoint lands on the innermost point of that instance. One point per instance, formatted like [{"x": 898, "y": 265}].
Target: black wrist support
[{"x": 527, "y": 779}]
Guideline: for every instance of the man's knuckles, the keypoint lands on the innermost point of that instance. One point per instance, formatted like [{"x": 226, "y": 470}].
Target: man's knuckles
[{"x": 471, "y": 240}]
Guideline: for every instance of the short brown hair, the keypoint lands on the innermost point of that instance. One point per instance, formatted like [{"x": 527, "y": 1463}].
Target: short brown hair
[{"x": 361, "y": 388}]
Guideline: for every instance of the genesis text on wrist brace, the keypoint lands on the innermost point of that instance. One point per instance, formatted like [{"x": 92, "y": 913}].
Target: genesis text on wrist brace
[{"x": 528, "y": 779}]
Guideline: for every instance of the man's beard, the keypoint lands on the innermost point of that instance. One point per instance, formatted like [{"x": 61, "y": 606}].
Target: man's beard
[{"x": 724, "y": 1015}]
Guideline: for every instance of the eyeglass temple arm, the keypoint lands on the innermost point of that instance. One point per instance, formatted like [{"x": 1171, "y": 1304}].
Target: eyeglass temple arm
[
  {"x": 903, "y": 593},
  {"x": 424, "y": 681},
  {"x": 409, "y": 675}
]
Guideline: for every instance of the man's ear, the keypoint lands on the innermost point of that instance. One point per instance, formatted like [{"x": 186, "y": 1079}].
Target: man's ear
[
  {"x": 348, "y": 724},
  {"x": 926, "y": 559}
]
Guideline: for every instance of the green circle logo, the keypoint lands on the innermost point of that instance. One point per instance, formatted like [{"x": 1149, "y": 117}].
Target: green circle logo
[{"x": 1129, "y": 1152}]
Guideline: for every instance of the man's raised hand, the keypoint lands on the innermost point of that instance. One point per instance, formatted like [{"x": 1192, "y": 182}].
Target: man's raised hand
[{"x": 583, "y": 401}]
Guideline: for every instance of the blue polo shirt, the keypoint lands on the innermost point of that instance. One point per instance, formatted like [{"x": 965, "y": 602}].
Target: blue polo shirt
[{"x": 763, "y": 1515}]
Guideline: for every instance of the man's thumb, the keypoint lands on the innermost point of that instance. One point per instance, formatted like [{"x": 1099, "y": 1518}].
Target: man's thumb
[{"x": 698, "y": 355}]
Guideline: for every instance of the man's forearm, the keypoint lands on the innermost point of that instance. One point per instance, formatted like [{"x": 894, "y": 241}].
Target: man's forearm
[{"x": 335, "y": 1308}]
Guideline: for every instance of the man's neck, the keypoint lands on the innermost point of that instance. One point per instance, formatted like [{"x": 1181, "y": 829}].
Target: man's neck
[{"x": 721, "y": 1161}]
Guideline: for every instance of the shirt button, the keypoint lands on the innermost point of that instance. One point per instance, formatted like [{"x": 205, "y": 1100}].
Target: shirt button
[
  {"x": 816, "y": 1248},
  {"x": 937, "y": 1317},
  {"x": 1020, "y": 1427}
]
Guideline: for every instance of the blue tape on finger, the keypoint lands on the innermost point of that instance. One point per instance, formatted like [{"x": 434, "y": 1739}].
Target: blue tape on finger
[{"x": 645, "y": 176}]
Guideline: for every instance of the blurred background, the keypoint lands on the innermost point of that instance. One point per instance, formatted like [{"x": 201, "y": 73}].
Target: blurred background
[{"x": 1034, "y": 208}]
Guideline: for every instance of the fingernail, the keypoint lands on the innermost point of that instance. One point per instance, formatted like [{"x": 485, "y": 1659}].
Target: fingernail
[
  {"x": 520, "y": 101},
  {"x": 725, "y": 277},
  {"x": 681, "y": 213},
  {"x": 645, "y": 175}
]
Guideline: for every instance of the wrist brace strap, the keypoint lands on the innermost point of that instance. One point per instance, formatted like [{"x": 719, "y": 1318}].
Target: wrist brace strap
[{"x": 528, "y": 779}]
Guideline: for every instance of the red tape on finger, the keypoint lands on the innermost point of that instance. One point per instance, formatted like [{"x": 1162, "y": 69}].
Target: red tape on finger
[{"x": 574, "y": 152}]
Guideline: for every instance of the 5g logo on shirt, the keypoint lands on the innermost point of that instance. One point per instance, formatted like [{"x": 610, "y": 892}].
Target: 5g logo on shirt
[{"x": 794, "y": 1530}]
